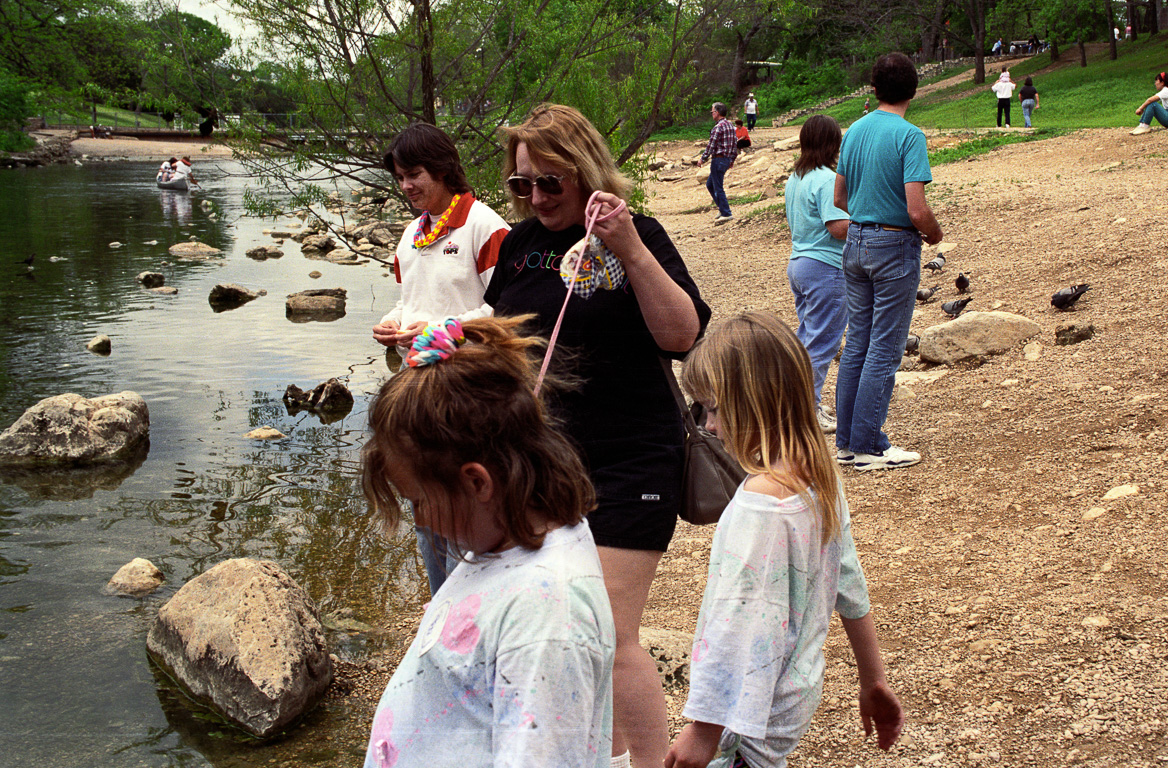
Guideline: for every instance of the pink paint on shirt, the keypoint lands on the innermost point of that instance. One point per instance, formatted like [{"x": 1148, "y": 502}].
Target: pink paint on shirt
[
  {"x": 384, "y": 750},
  {"x": 460, "y": 634}
]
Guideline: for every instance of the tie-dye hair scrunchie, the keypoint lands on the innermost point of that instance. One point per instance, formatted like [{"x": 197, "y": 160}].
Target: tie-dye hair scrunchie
[{"x": 436, "y": 343}]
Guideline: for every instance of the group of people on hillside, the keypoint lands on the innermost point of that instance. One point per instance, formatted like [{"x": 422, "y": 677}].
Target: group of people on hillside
[
  {"x": 546, "y": 494},
  {"x": 1154, "y": 107}
]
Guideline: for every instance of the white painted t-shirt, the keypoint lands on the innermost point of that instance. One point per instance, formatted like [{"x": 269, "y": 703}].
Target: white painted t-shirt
[
  {"x": 1163, "y": 96},
  {"x": 512, "y": 666},
  {"x": 757, "y": 664}
]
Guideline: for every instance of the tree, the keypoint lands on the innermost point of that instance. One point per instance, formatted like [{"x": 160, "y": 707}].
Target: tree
[
  {"x": 1074, "y": 21},
  {"x": 360, "y": 70}
]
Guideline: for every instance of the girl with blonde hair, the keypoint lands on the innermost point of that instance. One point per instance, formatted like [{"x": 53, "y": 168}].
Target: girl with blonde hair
[
  {"x": 622, "y": 417},
  {"x": 781, "y": 561}
]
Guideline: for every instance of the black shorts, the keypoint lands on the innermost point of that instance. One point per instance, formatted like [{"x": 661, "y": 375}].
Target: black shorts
[{"x": 638, "y": 493}]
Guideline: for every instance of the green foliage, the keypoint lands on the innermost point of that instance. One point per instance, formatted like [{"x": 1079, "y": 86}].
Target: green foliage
[
  {"x": 13, "y": 110},
  {"x": 984, "y": 144},
  {"x": 801, "y": 83}
]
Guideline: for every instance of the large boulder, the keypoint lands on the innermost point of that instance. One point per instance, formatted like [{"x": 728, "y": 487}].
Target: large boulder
[
  {"x": 194, "y": 251},
  {"x": 245, "y": 638},
  {"x": 317, "y": 244},
  {"x": 71, "y": 429},
  {"x": 322, "y": 304},
  {"x": 974, "y": 335}
]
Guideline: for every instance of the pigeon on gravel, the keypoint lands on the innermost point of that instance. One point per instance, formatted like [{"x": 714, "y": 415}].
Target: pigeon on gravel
[
  {"x": 1065, "y": 298},
  {"x": 912, "y": 344},
  {"x": 962, "y": 283},
  {"x": 937, "y": 264},
  {"x": 924, "y": 294},
  {"x": 955, "y": 307}
]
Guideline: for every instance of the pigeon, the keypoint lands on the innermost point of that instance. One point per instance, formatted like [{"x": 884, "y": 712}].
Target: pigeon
[
  {"x": 924, "y": 294},
  {"x": 937, "y": 264},
  {"x": 1065, "y": 298},
  {"x": 962, "y": 283},
  {"x": 955, "y": 307},
  {"x": 28, "y": 262},
  {"x": 912, "y": 344}
]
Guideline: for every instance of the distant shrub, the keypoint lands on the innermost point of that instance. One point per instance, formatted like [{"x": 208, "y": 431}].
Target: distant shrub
[
  {"x": 801, "y": 83},
  {"x": 13, "y": 110}
]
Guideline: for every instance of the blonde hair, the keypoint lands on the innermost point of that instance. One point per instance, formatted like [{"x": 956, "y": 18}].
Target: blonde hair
[
  {"x": 477, "y": 406},
  {"x": 560, "y": 137},
  {"x": 753, "y": 369}
]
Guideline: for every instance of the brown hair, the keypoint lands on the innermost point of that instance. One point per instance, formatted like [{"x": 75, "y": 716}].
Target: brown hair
[
  {"x": 894, "y": 78},
  {"x": 560, "y": 137},
  {"x": 428, "y": 146},
  {"x": 477, "y": 406},
  {"x": 819, "y": 144},
  {"x": 753, "y": 369}
]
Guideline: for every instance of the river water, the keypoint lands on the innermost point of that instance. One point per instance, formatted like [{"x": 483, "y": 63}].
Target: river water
[{"x": 76, "y": 687}]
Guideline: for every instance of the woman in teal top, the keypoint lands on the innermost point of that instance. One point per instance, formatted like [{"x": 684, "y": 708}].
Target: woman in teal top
[{"x": 818, "y": 230}]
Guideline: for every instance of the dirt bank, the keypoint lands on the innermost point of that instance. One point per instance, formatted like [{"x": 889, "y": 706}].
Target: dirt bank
[{"x": 144, "y": 149}]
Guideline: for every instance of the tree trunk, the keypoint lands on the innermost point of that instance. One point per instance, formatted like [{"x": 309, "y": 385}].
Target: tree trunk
[
  {"x": 426, "y": 60},
  {"x": 1112, "y": 42},
  {"x": 1082, "y": 53},
  {"x": 738, "y": 74},
  {"x": 1054, "y": 54},
  {"x": 931, "y": 35},
  {"x": 1153, "y": 17},
  {"x": 1131, "y": 18}
]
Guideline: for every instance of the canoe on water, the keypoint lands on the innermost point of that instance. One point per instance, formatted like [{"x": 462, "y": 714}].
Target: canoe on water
[{"x": 178, "y": 183}]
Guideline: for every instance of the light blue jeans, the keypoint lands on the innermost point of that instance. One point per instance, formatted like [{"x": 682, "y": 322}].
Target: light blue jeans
[
  {"x": 718, "y": 168},
  {"x": 882, "y": 270},
  {"x": 1028, "y": 107},
  {"x": 821, "y": 304},
  {"x": 1156, "y": 110}
]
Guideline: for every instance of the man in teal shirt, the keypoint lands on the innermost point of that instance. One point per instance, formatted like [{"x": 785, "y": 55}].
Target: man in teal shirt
[{"x": 880, "y": 183}]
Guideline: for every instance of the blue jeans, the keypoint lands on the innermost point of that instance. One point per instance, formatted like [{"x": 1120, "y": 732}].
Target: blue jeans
[
  {"x": 882, "y": 270},
  {"x": 1156, "y": 110},
  {"x": 438, "y": 557},
  {"x": 718, "y": 168},
  {"x": 1028, "y": 107},
  {"x": 821, "y": 304},
  {"x": 750, "y": 119}
]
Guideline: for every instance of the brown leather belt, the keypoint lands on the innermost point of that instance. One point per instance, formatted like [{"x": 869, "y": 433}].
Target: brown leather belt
[{"x": 888, "y": 227}]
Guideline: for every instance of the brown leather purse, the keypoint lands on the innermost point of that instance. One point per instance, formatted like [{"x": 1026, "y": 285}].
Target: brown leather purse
[{"x": 711, "y": 474}]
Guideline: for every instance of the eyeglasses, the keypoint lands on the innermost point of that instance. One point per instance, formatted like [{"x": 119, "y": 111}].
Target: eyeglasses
[{"x": 522, "y": 187}]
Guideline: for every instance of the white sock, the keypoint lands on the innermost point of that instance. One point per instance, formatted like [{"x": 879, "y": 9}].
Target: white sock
[{"x": 621, "y": 761}]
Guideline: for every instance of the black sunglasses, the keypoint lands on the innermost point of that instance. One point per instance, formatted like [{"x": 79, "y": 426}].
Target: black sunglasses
[{"x": 521, "y": 186}]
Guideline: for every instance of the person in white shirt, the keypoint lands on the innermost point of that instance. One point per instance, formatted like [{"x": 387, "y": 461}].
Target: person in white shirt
[
  {"x": 512, "y": 663},
  {"x": 443, "y": 263},
  {"x": 1155, "y": 106},
  {"x": 751, "y": 109},
  {"x": 1004, "y": 90}
]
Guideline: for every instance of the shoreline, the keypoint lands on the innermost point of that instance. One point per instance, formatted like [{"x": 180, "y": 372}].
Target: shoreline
[{"x": 123, "y": 148}]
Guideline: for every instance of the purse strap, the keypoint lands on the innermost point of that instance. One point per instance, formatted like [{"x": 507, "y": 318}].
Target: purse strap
[{"x": 691, "y": 424}]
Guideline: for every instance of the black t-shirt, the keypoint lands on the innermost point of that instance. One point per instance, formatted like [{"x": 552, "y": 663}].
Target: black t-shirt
[
  {"x": 1027, "y": 92},
  {"x": 623, "y": 397}
]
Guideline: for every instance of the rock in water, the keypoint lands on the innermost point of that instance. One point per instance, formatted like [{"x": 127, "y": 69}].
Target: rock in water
[
  {"x": 975, "y": 334},
  {"x": 136, "y": 578},
  {"x": 71, "y": 429},
  {"x": 264, "y": 252},
  {"x": 194, "y": 251},
  {"x": 226, "y": 296},
  {"x": 322, "y": 304},
  {"x": 100, "y": 345},
  {"x": 151, "y": 279},
  {"x": 247, "y": 639},
  {"x": 330, "y": 397}
]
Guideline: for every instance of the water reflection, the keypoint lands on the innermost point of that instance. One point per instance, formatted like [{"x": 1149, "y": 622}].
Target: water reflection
[
  {"x": 74, "y": 679},
  {"x": 71, "y": 483}
]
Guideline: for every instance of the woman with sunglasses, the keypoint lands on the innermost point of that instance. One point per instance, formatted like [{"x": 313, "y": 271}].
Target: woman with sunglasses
[{"x": 622, "y": 415}]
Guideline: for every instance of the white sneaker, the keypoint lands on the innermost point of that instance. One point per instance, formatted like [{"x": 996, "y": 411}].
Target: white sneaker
[
  {"x": 825, "y": 419},
  {"x": 1007, "y": 125},
  {"x": 723, "y": 219},
  {"x": 1141, "y": 129},
  {"x": 892, "y": 458},
  {"x": 844, "y": 457}
]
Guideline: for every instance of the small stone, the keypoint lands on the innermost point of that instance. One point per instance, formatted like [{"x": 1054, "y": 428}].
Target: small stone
[
  {"x": 1094, "y": 513},
  {"x": 315, "y": 275},
  {"x": 1032, "y": 351},
  {"x": 151, "y": 279},
  {"x": 265, "y": 433},
  {"x": 1096, "y": 621},
  {"x": 136, "y": 578},
  {"x": 1120, "y": 491},
  {"x": 116, "y": 244},
  {"x": 953, "y": 609},
  {"x": 165, "y": 290},
  {"x": 100, "y": 345}
]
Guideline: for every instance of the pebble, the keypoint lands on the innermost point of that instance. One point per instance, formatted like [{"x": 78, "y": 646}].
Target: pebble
[
  {"x": 115, "y": 244},
  {"x": 1094, "y": 512},
  {"x": 265, "y": 433},
  {"x": 1096, "y": 621},
  {"x": 1032, "y": 351}
]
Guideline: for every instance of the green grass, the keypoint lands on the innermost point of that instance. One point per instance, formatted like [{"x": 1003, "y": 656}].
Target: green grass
[
  {"x": 754, "y": 197},
  {"x": 77, "y": 114},
  {"x": 983, "y": 144},
  {"x": 1105, "y": 94}
]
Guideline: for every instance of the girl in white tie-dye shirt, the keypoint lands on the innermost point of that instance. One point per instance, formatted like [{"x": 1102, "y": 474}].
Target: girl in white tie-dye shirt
[
  {"x": 781, "y": 561},
  {"x": 512, "y": 664}
]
